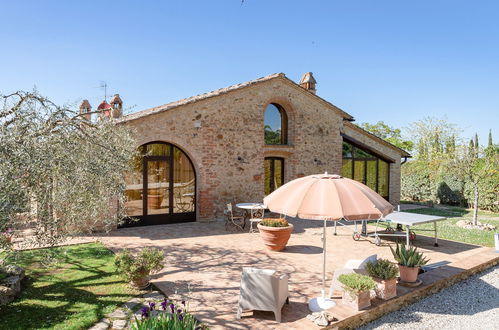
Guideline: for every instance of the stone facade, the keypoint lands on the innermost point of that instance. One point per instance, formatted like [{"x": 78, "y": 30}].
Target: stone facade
[{"x": 222, "y": 133}]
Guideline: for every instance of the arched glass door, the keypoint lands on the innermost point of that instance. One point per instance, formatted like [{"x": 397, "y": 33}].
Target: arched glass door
[{"x": 161, "y": 187}]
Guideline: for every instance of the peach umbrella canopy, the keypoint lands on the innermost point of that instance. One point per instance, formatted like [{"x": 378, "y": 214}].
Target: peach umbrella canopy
[{"x": 327, "y": 197}]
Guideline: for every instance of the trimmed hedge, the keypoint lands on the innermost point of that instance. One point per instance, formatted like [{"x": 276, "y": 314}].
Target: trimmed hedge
[{"x": 434, "y": 181}]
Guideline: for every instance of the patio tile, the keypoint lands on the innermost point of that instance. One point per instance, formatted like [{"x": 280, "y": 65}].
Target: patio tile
[{"x": 204, "y": 263}]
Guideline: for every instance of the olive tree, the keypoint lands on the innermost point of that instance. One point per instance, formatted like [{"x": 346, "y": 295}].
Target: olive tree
[
  {"x": 479, "y": 171},
  {"x": 59, "y": 173}
]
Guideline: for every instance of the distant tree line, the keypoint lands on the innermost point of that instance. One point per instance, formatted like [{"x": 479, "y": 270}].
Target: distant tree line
[{"x": 446, "y": 168}]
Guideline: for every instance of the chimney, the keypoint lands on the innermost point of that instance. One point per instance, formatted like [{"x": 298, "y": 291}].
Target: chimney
[
  {"x": 85, "y": 109},
  {"x": 308, "y": 82},
  {"x": 117, "y": 105}
]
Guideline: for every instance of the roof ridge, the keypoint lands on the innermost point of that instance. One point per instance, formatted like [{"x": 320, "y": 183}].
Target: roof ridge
[
  {"x": 198, "y": 97},
  {"x": 224, "y": 90}
]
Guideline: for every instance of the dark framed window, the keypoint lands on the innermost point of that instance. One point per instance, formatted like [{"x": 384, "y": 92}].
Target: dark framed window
[
  {"x": 161, "y": 187},
  {"x": 364, "y": 166},
  {"x": 274, "y": 173},
  {"x": 275, "y": 125}
]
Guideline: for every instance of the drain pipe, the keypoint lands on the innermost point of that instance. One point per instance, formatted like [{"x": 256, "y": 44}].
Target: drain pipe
[{"x": 405, "y": 160}]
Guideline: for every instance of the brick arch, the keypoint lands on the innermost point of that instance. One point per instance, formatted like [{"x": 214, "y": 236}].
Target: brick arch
[{"x": 192, "y": 159}]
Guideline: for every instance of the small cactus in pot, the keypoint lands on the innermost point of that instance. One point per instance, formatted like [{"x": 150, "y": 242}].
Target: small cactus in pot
[{"x": 409, "y": 261}]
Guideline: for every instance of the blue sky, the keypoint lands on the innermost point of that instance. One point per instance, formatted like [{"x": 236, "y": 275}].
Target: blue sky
[{"x": 396, "y": 61}]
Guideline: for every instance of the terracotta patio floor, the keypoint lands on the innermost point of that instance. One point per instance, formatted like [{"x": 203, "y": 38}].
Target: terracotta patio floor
[{"x": 209, "y": 260}]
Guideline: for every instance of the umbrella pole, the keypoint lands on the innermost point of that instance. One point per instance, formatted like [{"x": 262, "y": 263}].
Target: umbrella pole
[
  {"x": 324, "y": 261},
  {"x": 322, "y": 303}
]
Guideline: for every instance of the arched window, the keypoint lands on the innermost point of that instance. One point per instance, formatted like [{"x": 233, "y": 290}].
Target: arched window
[
  {"x": 363, "y": 166},
  {"x": 276, "y": 125},
  {"x": 161, "y": 188}
]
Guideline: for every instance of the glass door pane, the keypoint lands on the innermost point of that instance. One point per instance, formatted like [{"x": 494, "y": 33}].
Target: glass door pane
[
  {"x": 371, "y": 174},
  {"x": 358, "y": 171},
  {"x": 158, "y": 187},
  {"x": 134, "y": 189},
  {"x": 346, "y": 169},
  {"x": 278, "y": 171},
  {"x": 184, "y": 187},
  {"x": 384, "y": 178}
]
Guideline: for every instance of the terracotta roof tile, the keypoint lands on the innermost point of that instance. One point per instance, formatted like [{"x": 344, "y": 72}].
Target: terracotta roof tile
[{"x": 192, "y": 99}]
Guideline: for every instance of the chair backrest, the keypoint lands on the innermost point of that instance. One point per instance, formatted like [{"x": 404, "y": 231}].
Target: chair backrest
[
  {"x": 258, "y": 212},
  {"x": 360, "y": 264},
  {"x": 262, "y": 288}
]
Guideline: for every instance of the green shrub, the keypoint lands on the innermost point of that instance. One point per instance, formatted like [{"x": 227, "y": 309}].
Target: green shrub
[
  {"x": 408, "y": 257},
  {"x": 2, "y": 275},
  {"x": 436, "y": 181},
  {"x": 134, "y": 267},
  {"x": 382, "y": 269},
  {"x": 415, "y": 181},
  {"x": 356, "y": 283},
  {"x": 271, "y": 222}
]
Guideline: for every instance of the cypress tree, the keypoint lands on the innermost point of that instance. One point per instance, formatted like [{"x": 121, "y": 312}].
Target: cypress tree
[{"x": 491, "y": 144}]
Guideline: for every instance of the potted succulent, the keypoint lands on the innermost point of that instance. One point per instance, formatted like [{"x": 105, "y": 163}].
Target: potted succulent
[
  {"x": 356, "y": 289},
  {"x": 409, "y": 261},
  {"x": 275, "y": 233},
  {"x": 136, "y": 269},
  {"x": 384, "y": 273}
]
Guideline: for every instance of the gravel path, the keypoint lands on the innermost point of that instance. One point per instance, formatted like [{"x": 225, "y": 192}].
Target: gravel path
[{"x": 469, "y": 304}]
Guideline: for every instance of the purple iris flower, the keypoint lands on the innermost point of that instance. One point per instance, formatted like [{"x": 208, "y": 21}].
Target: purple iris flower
[
  {"x": 164, "y": 303},
  {"x": 145, "y": 312},
  {"x": 183, "y": 302},
  {"x": 172, "y": 307},
  {"x": 179, "y": 311},
  {"x": 180, "y": 317},
  {"x": 152, "y": 305}
]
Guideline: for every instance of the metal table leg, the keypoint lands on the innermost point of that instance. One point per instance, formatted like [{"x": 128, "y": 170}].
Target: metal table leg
[
  {"x": 436, "y": 237},
  {"x": 407, "y": 235}
]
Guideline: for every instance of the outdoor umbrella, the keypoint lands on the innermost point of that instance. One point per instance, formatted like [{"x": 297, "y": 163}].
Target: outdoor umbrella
[{"x": 327, "y": 197}]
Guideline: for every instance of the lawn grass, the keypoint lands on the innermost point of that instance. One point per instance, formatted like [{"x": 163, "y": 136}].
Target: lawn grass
[
  {"x": 447, "y": 229},
  {"x": 73, "y": 292}
]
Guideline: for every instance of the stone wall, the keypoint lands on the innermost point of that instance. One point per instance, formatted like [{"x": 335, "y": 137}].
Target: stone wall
[{"x": 228, "y": 148}]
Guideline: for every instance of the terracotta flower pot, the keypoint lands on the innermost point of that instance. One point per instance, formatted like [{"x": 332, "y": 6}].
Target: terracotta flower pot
[
  {"x": 408, "y": 274},
  {"x": 154, "y": 200},
  {"x": 275, "y": 238},
  {"x": 141, "y": 281},
  {"x": 386, "y": 289},
  {"x": 357, "y": 301}
]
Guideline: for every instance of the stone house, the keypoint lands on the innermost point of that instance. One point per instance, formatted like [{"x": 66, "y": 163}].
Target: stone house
[{"x": 239, "y": 143}]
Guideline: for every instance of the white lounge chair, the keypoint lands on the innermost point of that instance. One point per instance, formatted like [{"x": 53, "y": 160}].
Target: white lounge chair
[
  {"x": 264, "y": 290},
  {"x": 351, "y": 266}
]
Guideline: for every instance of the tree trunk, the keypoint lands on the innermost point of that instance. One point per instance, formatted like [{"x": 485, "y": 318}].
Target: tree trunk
[{"x": 475, "y": 207}]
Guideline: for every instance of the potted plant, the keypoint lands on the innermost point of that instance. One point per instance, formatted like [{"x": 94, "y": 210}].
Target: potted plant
[
  {"x": 136, "y": 269},
  {"x": 356, "y": 289},
  {"x": 384, "y": 273},
  {"x": 155, "y": 198},
  {"x": 275, "y": 233},
  {"x": 8, "y": 234},
  {"x": 409, "y": 261}
]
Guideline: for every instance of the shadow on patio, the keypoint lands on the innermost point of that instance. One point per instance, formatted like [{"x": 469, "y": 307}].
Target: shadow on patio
[{"x": 204, "y": 262}]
